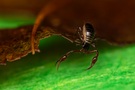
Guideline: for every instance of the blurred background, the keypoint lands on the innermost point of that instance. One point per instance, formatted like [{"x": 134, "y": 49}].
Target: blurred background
[{"x": 113, "y": 21}]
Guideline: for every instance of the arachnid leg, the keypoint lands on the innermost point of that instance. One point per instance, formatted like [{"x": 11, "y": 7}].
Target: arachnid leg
[
  {"x": 94, "y": 60},
  {"x": 64, "y": 57},
  {"x": 79, "y": 31},
  {"x": 60, "y": 60}
]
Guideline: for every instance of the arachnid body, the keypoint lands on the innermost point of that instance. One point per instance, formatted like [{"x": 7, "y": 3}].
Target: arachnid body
[{"x": 86, "y": 38}]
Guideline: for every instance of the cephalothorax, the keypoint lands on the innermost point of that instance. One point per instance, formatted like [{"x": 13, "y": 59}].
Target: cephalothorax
[{"x": 86, "y": 38}]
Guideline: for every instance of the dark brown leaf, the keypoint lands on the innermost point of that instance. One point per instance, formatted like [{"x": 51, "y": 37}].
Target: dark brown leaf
[
  {"x": 113, "y": 20},
  {"x": 15, "y": 43}
]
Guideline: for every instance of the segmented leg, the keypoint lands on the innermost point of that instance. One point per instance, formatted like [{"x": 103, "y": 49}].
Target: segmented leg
[
  {"x": 80, "y": 34},
  {"x": 94, "y": 60},
  {"x": 64, "y": 57}
]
